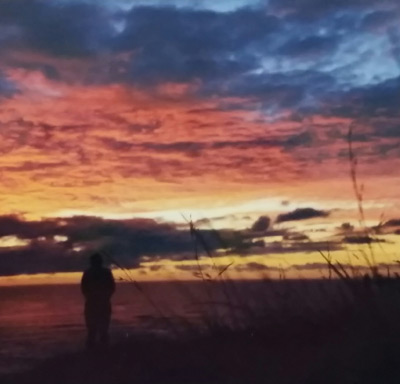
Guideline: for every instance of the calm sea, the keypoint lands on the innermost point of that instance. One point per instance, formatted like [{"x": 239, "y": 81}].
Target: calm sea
[{"x": 40, "y": 321}]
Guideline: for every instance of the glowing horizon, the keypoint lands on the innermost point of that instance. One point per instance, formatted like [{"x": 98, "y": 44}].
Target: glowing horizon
[{"x": 118, "y": 118}]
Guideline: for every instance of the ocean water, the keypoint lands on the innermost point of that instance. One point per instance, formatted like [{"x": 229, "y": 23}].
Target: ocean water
[{"x": 37, "y": 322}]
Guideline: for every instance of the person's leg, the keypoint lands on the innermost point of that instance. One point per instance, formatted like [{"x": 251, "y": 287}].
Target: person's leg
[
  {"x": 104, "y": 336},
  {"x": 104, "y": 325},
  {"x": 91, "y": 327},
  {"x": 91, "y": 338}
]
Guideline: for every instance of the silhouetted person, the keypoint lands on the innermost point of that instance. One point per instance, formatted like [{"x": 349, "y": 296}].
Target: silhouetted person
[{"x": 97, "y": 286}]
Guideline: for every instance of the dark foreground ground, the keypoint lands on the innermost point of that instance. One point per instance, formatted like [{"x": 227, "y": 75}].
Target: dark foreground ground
[
  {"x": 316, "y": 355},
  {"x": 355, "y": 339}
]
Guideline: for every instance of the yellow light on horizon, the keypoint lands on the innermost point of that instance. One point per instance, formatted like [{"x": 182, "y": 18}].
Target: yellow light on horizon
[{"x": 13, "y": 241}]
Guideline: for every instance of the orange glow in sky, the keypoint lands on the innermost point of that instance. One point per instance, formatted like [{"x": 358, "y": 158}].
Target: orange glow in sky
[{"x": 137, "y": 127}]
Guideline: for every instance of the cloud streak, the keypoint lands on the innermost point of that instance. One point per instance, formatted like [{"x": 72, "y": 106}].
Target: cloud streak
[
  {"x": 301, "y": 214},
  {"x": 118, "y": 108}
]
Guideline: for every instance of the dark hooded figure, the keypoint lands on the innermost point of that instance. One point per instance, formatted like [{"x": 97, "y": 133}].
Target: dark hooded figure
[{"x": 97, "y": 286}]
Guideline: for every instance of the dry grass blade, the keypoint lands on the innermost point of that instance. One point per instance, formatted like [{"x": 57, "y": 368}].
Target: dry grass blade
[
  {"x": 345, "y": 273},
  {"x": 224, "y": 269},
  {"x": 333, "y": 266},
  {"x": 138, "y": 287},
  {"x": 358, "y": 189}
]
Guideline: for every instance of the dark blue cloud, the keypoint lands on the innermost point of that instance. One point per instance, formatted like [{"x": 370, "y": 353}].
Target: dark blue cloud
[
  {"x": 394, "y": 36},
  {"x": 300, "y": 90},
  {"x": 379, "y": 19},
  {"x": 310, "y": 10},
  {"x": 382, "y": 99},
  {"x": 311, "y": 56},
  {"x": 125, "y": 240},
  {"x": 301, "y": 139},
  {"x": 310, "y": 46},
  {"x": 261, "y": 224},
  {"x": 59, "y": 29},
  {"x": 301, "y": 214},
  {"x": 181, "y": 45},
  {"x": 7, "y": 87},
  {"x": 195, "y": 148}
]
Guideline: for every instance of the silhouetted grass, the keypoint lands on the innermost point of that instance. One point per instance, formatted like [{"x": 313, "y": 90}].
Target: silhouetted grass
[{"x": 301, "y": 332}]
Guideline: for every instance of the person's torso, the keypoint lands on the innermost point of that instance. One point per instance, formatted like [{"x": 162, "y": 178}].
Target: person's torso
[{"x": 98, "y": 284}]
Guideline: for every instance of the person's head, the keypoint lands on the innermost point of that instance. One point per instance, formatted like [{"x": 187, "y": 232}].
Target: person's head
[{"x": 96, "y": 261}]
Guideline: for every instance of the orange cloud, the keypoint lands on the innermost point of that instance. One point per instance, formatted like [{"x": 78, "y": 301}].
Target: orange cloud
[{"x": 114, "y": 148}]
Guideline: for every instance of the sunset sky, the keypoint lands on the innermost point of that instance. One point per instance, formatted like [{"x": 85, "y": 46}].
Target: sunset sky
[{"x": 121, "y": 118}]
